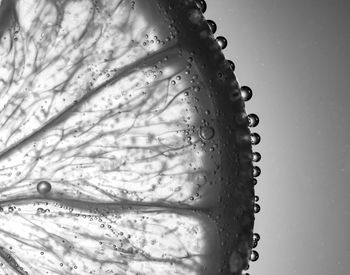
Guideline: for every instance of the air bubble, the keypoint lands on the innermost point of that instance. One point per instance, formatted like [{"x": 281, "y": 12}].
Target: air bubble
[
  {"x": 202, "y": 5},
  {"x": 255, "y": 138},
  {"x": 256, "y": 237},
  {"x": 256, "y": 171},
  {"x": 212, "y": 25},
  {"x": 232, "y": 65},
  {"x": 253, "y": 120},
  {"x": 222, "y": 42},
  {"x": 43, "y": 187},
  {"x": 256, "y": 156},
  {"x": 254, "y": 256},
  {"x": 246, "y": 93},
  {"x": 256, "y": 208},
  {"x": 206, "y": 133}
]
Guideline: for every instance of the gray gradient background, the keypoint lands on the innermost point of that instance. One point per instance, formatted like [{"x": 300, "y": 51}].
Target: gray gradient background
[{"x": 295, "y": 57}]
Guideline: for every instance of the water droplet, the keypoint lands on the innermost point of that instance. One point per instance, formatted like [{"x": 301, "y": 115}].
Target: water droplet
[
  {"x": 256, "y": 156},
  {"x": 43, "y": 187},
  {"x": 256, "y": 237},
  {"x": 256, "y": 171},
  {"x": 255, "y": 181},
  {"x": 246, "y": 93},
  {"x": 206, "y": 133},
  {"x": 256, "y": 208},
  {"x": 232, "y": 65},
  {"x": 255, "y": 138},
  {"x": 212, "y": 26},
  {"x": 253, "y": 120},
  {"x": 202, "y": 5},
  {"x": 254, "y": 256},
  {"x": 222, "y": 42}
]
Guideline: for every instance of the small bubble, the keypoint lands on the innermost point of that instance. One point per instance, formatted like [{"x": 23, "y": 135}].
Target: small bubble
[
  {"x": 256, "y": 198},
  {"x": 256, "y": 171},
  {"x": 256, "y": 157},
  {"x": 222, "y": 42},
  {"x": 246, "y": 93},
  {"x": 253, "y": 120},
  {"x": 256, "y": 237},
  {"x": 232, "y": 65},
  {"x": 40, "y": 210},
  {"x": 256, "y": 208},
  {"x": 173, "y": 82},
  {"x": 254, "y": 256},
  {"x": 255, "y": 138},
  {"x": 43, "y": 187},
  {"x": 202, "y": 5},
  {"x": 206, "y": 133},
  {"x": 212, "y": 26}
]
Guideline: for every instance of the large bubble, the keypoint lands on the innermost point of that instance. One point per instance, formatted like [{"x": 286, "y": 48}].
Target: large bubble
[{"x": 124, "y": 143}]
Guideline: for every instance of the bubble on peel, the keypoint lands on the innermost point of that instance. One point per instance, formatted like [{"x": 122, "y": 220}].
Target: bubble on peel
[
  {"x": 256, "y": 171},
  {"x": 222, "y": 42},
  {"x": 212, "y": 26},
  {"x": 256, "y": 156},
  {"x": 246, "y": 93},
  {"x": 202, "y": 5},
  {"x": 256, "y": 237},
  {"x": 206, "y": 133},
  {"x": 232, "y": 65},
  {"x": 256, "y": 208},
  {"x": 255, "y": 138},
  {"x": 253, "y": 120},
  {"x": 254, "y": 256},
  {"x": 43, "y": 187}
]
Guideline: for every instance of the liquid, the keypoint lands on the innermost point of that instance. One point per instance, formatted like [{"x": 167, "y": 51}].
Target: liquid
[{"x": 120, "y": 150}]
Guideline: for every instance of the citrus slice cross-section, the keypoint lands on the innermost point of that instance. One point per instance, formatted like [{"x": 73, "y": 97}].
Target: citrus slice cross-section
[{"x": 124, "y": 143}]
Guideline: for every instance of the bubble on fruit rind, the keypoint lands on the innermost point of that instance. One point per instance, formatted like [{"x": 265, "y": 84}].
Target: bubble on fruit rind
[{"x": 235, "y": 230}]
